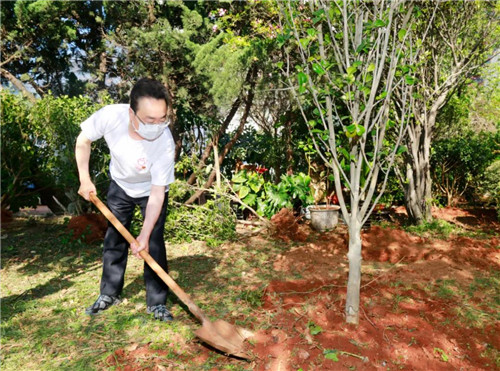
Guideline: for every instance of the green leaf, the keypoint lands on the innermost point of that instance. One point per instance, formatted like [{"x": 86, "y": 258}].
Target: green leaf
[
  {"x": 351, "y": 70},
  {"x": 401, "y": 34},
  {"x": 348, "y": 96},
  {"x": 314, "y": 329},
  {"x": 379, "y": 23},
  {"x": 401, "y": 149},
  {"x": 354, "y": 130},
  {"x": 343, "y": 151},
  {"x": 444, "y": 356},
  {"x": 239, "y": 177},
  {"x": 331, "y": 355},
  {"x": 382, "y": 95},
  {"x": 250, "y": 199},
  {"x": 311, "y": 32},
  {"x": 244, "y": 191},
  {"x": 318, "y": 69},
  {"x": 371, "y": 67},
  {"x": 302, "y": 78},
  {"x": 279, "y": 64},
  {"x": 255, "y": 186},
  {"x": 410, "y": 80},
  {"x": 304, "y": 42}
]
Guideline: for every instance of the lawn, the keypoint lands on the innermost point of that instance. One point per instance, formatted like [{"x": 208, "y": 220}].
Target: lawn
[{"x": 430, "y": 300}]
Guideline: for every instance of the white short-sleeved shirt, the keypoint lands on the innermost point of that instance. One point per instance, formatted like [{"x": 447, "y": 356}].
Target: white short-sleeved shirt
[{"x": 135, "y": 164}]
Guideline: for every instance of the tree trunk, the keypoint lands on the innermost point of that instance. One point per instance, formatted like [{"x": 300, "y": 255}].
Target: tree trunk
[
  {"x": 249, "y": 101},
  {"x": 354, "y": 281},
  {"x": 18, "y": 84},
  {"x": 220, "y": 133},
  {"x": 418, "y": 185},
  {"x": 288, "y": 142}
]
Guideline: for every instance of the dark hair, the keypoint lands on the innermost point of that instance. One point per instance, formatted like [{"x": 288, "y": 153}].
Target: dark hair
[{"x": 149, "y": 88}]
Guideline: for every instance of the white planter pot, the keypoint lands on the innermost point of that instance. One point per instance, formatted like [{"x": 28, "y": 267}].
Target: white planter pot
[{"x": 323, "y": 217}]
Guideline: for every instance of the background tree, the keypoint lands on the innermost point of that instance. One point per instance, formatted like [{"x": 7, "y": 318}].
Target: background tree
[
  {"x": 44, "y": 44},
  {"x": 352, "y": 56},
  {"x": 460, "y": 36}
]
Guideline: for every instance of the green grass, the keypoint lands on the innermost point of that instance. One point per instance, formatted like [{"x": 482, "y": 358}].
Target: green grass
[
  {"x": 437, "y": 228},
  {"x": 48, "y": 280}
]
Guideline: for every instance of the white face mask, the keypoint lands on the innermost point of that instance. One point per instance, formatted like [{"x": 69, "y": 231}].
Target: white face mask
[{"x": 150, "y": 131}]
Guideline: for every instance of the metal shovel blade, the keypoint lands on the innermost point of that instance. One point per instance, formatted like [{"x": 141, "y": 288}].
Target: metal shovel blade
[{"x": 225, "y": 337}]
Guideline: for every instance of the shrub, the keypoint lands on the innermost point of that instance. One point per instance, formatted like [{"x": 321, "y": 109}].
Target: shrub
[
  {"x": 38, "y": 143},
  {"x": 489, "y": 186},
  {"x": 458, "y": 163},
  {"x": 213, "y": 222},
  {"x": 266, "y": 198}
]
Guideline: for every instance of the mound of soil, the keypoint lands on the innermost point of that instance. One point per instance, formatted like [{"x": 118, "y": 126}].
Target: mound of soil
[
  {"x": 287, "y": 227},
  {"x": 6, "y": 216},
  {"x": 91, "y": 227}
]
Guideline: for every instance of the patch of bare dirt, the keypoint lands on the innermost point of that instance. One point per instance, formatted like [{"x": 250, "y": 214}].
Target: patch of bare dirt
[{"x": 402, "y": 325}]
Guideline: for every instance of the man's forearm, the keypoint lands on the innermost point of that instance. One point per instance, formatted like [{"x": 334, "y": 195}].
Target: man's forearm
[
  {"x": 82, "y": 156},
  {"x": 153, "y": 209}
]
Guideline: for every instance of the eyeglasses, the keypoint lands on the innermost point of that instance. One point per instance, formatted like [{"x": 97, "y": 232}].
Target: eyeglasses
[{"x": 163, "y": 123}]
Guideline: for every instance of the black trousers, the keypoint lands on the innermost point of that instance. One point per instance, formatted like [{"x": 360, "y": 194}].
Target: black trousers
[{"x": 115, "y": 252}]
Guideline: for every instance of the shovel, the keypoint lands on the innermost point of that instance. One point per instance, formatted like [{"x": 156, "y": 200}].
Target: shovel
[{"x": 219, "y": 334}]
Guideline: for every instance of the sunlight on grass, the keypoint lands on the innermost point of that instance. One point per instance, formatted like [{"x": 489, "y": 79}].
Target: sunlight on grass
[{"x": 44, "y": 296}]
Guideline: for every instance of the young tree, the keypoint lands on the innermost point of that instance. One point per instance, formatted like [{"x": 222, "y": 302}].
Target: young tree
[
  {"x": 351, "y": 57},
  {"x": 460, "y": 36}
]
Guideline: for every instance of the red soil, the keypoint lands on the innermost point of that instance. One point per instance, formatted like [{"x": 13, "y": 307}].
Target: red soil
[
  {"x": 92, "y": 227},
  {"x": 402, "y": 325}
]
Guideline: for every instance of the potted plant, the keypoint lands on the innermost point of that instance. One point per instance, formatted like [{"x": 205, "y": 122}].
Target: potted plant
[{"x": 325, "y": 217}]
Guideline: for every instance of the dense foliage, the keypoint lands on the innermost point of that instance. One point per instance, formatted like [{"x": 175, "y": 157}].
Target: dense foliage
[
  {"x": 459, "y": 163},
  {"x": 226, "y": 65},
  {"x": 38, "y": 151}
]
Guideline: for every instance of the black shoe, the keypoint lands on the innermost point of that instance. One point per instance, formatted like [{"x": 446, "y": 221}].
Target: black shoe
[
  {"x": 103, "y": 302},
  {"x": 161, "y": 313}
]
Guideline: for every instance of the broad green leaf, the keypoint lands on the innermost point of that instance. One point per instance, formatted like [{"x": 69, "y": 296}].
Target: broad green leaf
[
  {"x": 315, "y": 329},
  {"x": 401, "y": 34},
  {"x": 379, "y": 23},
  {"x": 250, "y": 199},
  {"x": 351, "y": 70},
  {"x": 279, "y": 64},
  {"x": 239, "y": 177},
  {"x": 382, "y": 95},
  {"x": 343, "y": 151},
  {"x": 255, "y": 186},
  {"x": 304, "y": 42},
  {"x": 348, "y": 96},
  {"x": 371, "y": 67},
  {"x": 302, "y": 78},
  {"x": 244, "y": 191}
]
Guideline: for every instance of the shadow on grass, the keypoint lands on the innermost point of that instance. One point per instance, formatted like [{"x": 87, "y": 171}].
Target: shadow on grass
[{"x": 16, "y": 304}]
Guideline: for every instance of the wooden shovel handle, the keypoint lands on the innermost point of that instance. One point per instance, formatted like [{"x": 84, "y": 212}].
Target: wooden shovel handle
[{"x": 150, "y": 261}]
